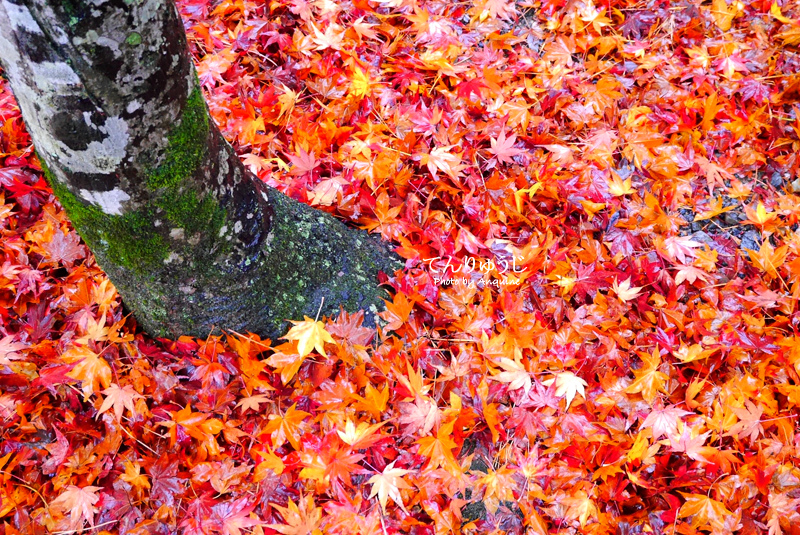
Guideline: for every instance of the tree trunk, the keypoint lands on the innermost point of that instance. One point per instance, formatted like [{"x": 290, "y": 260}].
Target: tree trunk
[{"x": 191, "y": 240}]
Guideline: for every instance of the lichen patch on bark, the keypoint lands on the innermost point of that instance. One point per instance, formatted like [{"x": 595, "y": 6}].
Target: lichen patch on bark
[{"x": 110, "y": 202}]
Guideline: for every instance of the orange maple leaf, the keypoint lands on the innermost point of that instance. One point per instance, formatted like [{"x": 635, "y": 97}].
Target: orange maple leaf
[
  {"x": 90, "y": 368},
  {"x": 704, "y": 511},
  {"x": 79, "y": 501},
  {"x": 286, "y": 427},
  {"x": 439, "y": 449}
]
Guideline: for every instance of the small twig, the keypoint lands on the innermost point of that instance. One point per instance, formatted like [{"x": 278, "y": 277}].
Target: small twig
[
  {"x": 320, "y": 308},
  {"x": 81, "y": 530},
  {"x": 154, "y": 452},
  {"x": 39, "y": 494}
]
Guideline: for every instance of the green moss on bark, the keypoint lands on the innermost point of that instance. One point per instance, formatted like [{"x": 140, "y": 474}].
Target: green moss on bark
[
  {"x": 314, "y": 256},
  {"x": 128, "y": 240},
  {"x": 133, "y": 240},
  {"x": 185, "y": 210},
  {"x": 187, "y": 145}
]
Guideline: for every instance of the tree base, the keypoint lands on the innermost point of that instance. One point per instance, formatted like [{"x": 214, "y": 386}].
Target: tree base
[{"x": 308, "y": 260}]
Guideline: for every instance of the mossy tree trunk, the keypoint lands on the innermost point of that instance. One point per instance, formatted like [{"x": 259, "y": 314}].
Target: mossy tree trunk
[{"x": 192, "y": 241}]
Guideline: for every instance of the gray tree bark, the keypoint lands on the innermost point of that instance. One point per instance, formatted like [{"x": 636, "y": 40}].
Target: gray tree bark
[{"x": 191, "y": 240}]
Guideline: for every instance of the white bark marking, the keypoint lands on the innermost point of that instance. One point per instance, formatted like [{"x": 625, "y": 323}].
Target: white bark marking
[
  {"x": 177, "y": 234},
  {"x": 110, "y": 202},
  {"x": 52, "y": 76},
  {"x": 99, "y": 157},
  {"x": 173, "y": 256},
  {"x": 21, "y": 17},
  {"x": 92, "y": 37}
]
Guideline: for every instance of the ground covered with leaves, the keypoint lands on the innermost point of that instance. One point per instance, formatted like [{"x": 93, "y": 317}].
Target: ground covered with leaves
[{"x": 596, "y": 330}]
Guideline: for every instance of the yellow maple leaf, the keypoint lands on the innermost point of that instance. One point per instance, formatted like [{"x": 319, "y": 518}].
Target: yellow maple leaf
[
  {"x": 566, "y": 284},
  {"x": 713, "y": 209},
  {"x": 648, "y": 379},
  {"x": 759, "y": 217},
  {"x": 361, "y": 436},
  {"x": 271, "y": 462},
  {"x": 302, "y": 518},
  {"x": 591, "y": 208},
  {"x": 530, "y": 192},
  {"x": 704, "y": 511},
  {"x": 134, "y": 477},
  {"x": 310, "y": 335},
  {"x": 775, "y": 11},
  {"x": 723, "y": 14},
  {"x": 691, "y": 353},
  {"x": 287, "y": 101},
  {"x": 618, "y": 187},
  {"x": 359, "y": 84}
]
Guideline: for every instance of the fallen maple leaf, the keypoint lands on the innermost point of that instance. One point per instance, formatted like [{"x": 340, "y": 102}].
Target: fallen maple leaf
[
  {"x": 704, "y": 511},
  {"x": 362, "y": 436},
  {"x": 310, "y": 335},
  {"x": 286, "y": 427},
  {"x": 79, "y": 501},
  {"x": 65, "y": 248},
  {"x": 514, "y": 372},
  {"x": 359, "y": 83},
  {"x": 134, "y": 477},
  {"x": 664, "y": 421},
  {"x": 252, "y": 402},
  {"x": 9, "y": 350},
  {"x": 388, "y": 484},
  {"x": 624, "y": 291},
  {"x": 304, "y": 162},
  {"x": 691, "y": 353},
  {"x": 420, "y": 416},
  {"x": 90, "y": 368},
  {"x": 120, "y": 399},
  {"x": 441, "y": 159},
  {"x": 648, "y": 379},
  {"x": 439, "y": 449},
  {"x": 759, "y": 217},
  {"x": 677, "y": 247},
  {"x": 236, "y": 515},
  {"x": 619, "y": 188},
  {"x": 768, "y": 258},
  {"x": 567, "y": 385},
  {"x": 503, "y": 148},
  {"x": 689, "y": 440},
  {"x": 580, "y": 507},
  {"x": 749, "y": 421},
  {"x": 301, "y": 518}
]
